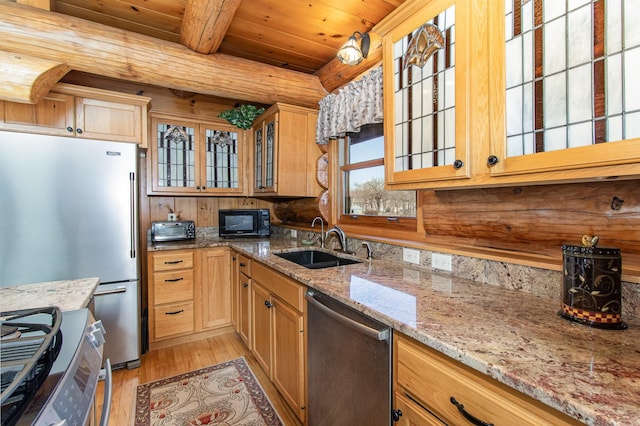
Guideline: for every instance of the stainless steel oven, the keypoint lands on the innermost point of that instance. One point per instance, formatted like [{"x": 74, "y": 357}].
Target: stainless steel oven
[{"x": 51, "y": 362}]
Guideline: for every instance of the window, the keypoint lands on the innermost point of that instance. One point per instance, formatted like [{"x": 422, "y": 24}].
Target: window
[{"x": 362, "y": 178}]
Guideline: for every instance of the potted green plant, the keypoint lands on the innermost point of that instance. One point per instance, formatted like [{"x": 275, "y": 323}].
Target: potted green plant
[{"x": 242, "y": 116}]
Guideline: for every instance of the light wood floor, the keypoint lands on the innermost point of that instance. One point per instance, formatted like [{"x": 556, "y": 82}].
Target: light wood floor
[{"x": 180, "y": 359}]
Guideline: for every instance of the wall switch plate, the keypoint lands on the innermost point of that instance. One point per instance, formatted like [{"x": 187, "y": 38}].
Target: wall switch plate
[
  {"x": 294, "y": 233},
  {"x": 441, "y": 261},
  {"x": 411, "y": 255}
]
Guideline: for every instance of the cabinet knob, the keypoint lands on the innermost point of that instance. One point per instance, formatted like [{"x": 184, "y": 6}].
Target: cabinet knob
[
  {"x": 204, "y": 187},
  {"x": 78, "y": 131},
  {"x": 268, "y": 304},
  {"x": 492, "y": 160},
  {"x": 245, "y": 285},
  {"x": 70, "y": 129},
  {"x": 198, "y": 187},
  {"x": 396, "y": 414},
  {"x": 458, "y": 164}
]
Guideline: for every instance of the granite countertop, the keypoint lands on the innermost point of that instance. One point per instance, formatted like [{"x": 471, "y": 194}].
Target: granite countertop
[
  {"x": 592, "y": 375},
  {"x": 68, "y": 295}
]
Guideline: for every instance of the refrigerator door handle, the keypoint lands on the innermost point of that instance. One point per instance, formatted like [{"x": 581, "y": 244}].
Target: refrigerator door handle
[
  {"x": 132, "y": 200},
  {"x": 114, "y": 291},
  {"x": 362, "y": 328}
]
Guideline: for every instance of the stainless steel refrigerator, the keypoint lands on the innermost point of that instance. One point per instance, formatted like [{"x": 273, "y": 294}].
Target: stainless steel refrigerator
[{"x": 68, "y": 210}]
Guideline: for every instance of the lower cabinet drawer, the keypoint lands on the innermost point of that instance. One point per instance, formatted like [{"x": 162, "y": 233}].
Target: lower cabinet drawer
[
  {"x": 172, "y": 286},
  {"x": 411, "y": 413},
  {"x": 175, "y": 319},
  {"x": 435, "y": 381}
]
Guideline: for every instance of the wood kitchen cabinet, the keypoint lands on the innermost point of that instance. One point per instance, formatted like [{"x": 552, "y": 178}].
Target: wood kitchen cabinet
[
  {"x": 426, "y": 381},
  {"x": 196, "y": 157},
  {"x": 214, "y": 282},
  {"x": 278, "y": 333},
  {"x": 285, "y": 153},
  {"x": 189, "y": 294},
  {"x": 82, "y": 112},
  {"x": 171, "y": 294},
  {"x": 466, "y": 117},
  {"x": 244, "y": 300}
]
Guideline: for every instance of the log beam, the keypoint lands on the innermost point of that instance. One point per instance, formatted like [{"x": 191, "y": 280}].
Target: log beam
[
  {"x": 111, "y": 52},
  {"x": 27, "y": 79},
  {"x": 206, "y": 22}
]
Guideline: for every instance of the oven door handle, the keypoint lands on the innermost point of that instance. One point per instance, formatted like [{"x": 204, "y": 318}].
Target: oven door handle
[{"x": 105, "y": 374}]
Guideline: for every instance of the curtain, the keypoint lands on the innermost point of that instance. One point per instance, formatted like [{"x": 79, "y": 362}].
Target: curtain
[{"x": 356, "y": 104}]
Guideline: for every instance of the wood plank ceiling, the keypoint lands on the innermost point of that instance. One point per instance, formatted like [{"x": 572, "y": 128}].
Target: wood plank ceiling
[{"x": 293, "y": 34}]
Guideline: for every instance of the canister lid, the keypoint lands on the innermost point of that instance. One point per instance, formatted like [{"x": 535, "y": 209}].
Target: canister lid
[{"x": 597, "y": 251}]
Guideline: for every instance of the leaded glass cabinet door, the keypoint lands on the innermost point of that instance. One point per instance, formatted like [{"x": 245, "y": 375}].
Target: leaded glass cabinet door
[
  {"x": 173, "y": 156},
  {"x": 426, "y": 72},
  {"x": 568, "y": 87},
  {"x": 222, "y": 155},
  {"x": 265, "y": 153},
  {"x": 270, "y": 154}
]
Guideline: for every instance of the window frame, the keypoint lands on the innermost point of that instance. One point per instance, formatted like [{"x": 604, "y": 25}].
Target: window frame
[{"x": 381, "y": 222}]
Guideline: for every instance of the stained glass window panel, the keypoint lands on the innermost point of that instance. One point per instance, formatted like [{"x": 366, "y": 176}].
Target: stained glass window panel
[
  {"x": 570, "y": 73},
  {"x": 424, "y": 91}
]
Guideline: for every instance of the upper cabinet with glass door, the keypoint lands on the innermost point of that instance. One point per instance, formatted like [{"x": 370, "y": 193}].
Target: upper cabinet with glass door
[
  {"x": 192, "y": 157},
  {"x": 566, "y": 102},
  {"x": 427, "y": 72}
]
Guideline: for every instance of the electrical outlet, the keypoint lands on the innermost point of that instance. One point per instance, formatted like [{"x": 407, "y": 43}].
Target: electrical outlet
[
  {"x": 411, "y": 255},
  {"x": 294, "y": 233},
  {"x": 172, "y": 216},
  {"x": 441, "y": 261}
]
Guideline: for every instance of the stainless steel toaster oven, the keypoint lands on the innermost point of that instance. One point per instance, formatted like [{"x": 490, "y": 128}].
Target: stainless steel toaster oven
[{"x": 173, "y": 230}]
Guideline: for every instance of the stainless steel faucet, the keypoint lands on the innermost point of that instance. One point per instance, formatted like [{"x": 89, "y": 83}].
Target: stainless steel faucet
[
  {"x": 313, "y": 225},
  {"x": 369, "y": 251},
  {"x": 342, "y": 238}
]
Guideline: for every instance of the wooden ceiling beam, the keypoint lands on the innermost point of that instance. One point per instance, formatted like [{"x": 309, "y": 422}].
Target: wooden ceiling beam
[
  {"x": 110, "y": 52},
  {"x": 206, "y": 22},
  {"x": 26, "y": 79}
]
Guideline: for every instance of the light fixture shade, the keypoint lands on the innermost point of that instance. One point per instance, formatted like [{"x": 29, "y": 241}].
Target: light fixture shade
[{"x": 350, "y": 53}]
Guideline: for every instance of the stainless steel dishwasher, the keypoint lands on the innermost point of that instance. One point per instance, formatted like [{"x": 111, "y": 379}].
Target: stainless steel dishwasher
[{"x": 349, "y": 365}]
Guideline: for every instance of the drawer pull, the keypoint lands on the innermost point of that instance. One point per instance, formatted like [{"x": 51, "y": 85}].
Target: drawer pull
[
  {"x": 173, "y": 262},
  {"x": 174, "y": 280},
  {"x": 243, "y": 264},
  {"x": 174, "y": 313},
  {"x": 468, "y": 416}
]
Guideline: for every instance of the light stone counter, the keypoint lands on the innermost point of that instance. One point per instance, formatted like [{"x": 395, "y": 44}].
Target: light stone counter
[
  {"x": 67, "y": 295},
  {"x": 592, "y": 375}
]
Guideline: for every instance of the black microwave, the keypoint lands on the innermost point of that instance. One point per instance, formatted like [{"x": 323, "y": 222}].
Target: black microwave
[{"x": 244, "y": 223}]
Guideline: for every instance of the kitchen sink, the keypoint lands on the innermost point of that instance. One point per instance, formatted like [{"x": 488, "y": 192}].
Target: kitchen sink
[{"x": 316, "y": 259}]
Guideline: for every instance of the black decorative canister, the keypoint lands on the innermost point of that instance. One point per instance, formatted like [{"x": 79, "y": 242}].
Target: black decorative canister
[{"x": 592, "y": 292}]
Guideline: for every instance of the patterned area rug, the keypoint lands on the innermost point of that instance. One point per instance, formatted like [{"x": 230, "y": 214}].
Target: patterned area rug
[{"x": 223, "y": 394}]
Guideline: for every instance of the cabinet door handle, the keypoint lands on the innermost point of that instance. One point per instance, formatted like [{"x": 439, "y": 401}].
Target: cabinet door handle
[
  {"x": 174, "y": 280},
  {"x": 175, "y": 312},
  {"x": 268, "y": 304},
  {"x": 78, "y": 131},
  {"x": 173, "y": 262},
  {"x": 474, "y": 420},
  {"x": 70, "y": 129},
  {"x": 492, "y": 160},
  {"x": 245, "y": 285}
]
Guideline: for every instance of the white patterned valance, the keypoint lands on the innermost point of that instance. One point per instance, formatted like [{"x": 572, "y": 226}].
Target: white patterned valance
[{"x": 356, "y": 104}]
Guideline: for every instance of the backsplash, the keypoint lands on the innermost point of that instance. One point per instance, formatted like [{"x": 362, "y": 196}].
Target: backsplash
[{"x": 537, "y": 281}]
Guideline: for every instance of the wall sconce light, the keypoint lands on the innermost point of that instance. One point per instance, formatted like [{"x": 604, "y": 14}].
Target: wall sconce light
[{"x": 352, "y": 54}]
